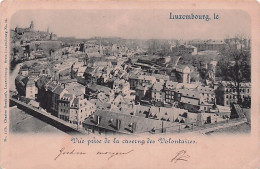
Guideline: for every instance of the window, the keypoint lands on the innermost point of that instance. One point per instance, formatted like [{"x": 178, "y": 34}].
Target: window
[
  {"x": 227, "y": 102},
  {"x": 227, "y": 96}
]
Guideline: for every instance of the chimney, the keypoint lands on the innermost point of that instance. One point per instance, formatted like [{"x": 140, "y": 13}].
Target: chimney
[
  {"x": 133, "y": 127},
  {"x": 118, "y": 123},
  {"x": 98, "y": 119}
]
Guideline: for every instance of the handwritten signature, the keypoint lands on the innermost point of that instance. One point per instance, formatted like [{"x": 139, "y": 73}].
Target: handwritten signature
[
  {"x": 63, "y": 152},
  {"x": 113, "y": 154},
  {"x": 180, "y": 156}
]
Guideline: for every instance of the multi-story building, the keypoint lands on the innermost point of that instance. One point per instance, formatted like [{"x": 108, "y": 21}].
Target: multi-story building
[
  {"x": 54, "y": 93},
  {"x": 143, "y": 92},
  {"x": 208, "y": 45},
  {"x": 91, "y": 92},
  {"x": 74, "y": 110},
  {"x": 121, "y": 86},
  {"x": 31, "y": 89},
  {"x": 226, "y": 93},
  {"x": 191, "y": 97},
  {"x": 80, "y": 109},
  {"x": 92, "y": 75},
  {"x": 181, "y": 74},
  {"x": 184, "y": 49},
  {"x": 207, "y": 94},
  {"x": 190, "y": 100},
  {"x": 142, "y": 80},
  {"x": 64, "y": 106},
  {"x": 158, "y": 93},
  {"x": 133, "y": 80},
  {"x": 170, "y": 93},
  {"x": 146, "y": 80}
]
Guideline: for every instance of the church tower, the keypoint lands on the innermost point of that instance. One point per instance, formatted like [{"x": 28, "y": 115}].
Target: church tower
[{"x": 32, "y": 26}]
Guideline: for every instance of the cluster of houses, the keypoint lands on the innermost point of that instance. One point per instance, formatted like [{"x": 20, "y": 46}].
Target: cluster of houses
[{"x": 99, "y": 87}]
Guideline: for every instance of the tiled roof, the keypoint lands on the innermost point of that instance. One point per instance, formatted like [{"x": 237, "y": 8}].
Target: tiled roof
[
  {"x": 100, "y": 88},
  {"x": 58, "y": 90},
  {"x": 145, "y": 77},
  {"x": 75, "y": 90},
  {"x": 75, "y": 103},
  {"x": 189, "y": 93},
  {"x": 67, "y": 97},
  {"x": 52, "y": 86},
  {"x": 159, "y": 76},
  {"x": 158, "y": 86},
  {"x": 165, "y": 113},
  {"x": 89, "y": 70},
  {"x": 68, "y": 80},
  {"x": 203, "y": 89},
  {"x": 140, "y": 87},
  {"x": 171, "y": 84},
  {"x": 189, "y": 101},
  {"x": 109, "y": 119},
  {"x": 42, "y": 81}
]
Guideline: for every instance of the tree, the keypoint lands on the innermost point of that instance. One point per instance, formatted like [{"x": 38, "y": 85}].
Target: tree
[{"x": 235, "y": 65}]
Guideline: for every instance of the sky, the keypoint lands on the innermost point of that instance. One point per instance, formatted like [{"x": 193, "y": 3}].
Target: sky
[{"x": 135, "y": 24}]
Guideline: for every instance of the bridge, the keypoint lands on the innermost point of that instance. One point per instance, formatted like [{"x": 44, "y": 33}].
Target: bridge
[{"x": 47, "y": 118}]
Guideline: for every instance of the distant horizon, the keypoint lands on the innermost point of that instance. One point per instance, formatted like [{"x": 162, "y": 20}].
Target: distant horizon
[{"x": 135, "y": 24}]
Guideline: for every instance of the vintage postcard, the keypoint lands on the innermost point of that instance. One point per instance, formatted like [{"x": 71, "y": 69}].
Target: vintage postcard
[{"x": 131, "y": 84}]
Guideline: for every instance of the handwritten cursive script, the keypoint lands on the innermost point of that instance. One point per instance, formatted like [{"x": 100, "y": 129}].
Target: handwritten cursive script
[
  {"x": 180, "y": 156},
  {"x": 113, "y": 154},
  {"x": 63, "y": 152}
]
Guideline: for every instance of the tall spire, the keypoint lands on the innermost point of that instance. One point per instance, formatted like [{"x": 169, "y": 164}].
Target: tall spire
[{"x": 32, "y": 26}]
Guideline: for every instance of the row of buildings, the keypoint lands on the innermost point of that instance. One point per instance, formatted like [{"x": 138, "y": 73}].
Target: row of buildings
[
  {"x": 195, "y": 46},
  {"x": 107, "y": 88}
]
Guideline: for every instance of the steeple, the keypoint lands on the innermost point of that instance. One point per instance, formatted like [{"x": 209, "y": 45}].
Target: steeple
[
  {"x": 100, "y": 47},
  {"x": 48, "y": 30},
  {"x": 32, "y": 26}
]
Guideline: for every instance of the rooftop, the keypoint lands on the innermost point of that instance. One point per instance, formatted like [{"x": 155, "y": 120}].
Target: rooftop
[{"x": 126, "y": 123}]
